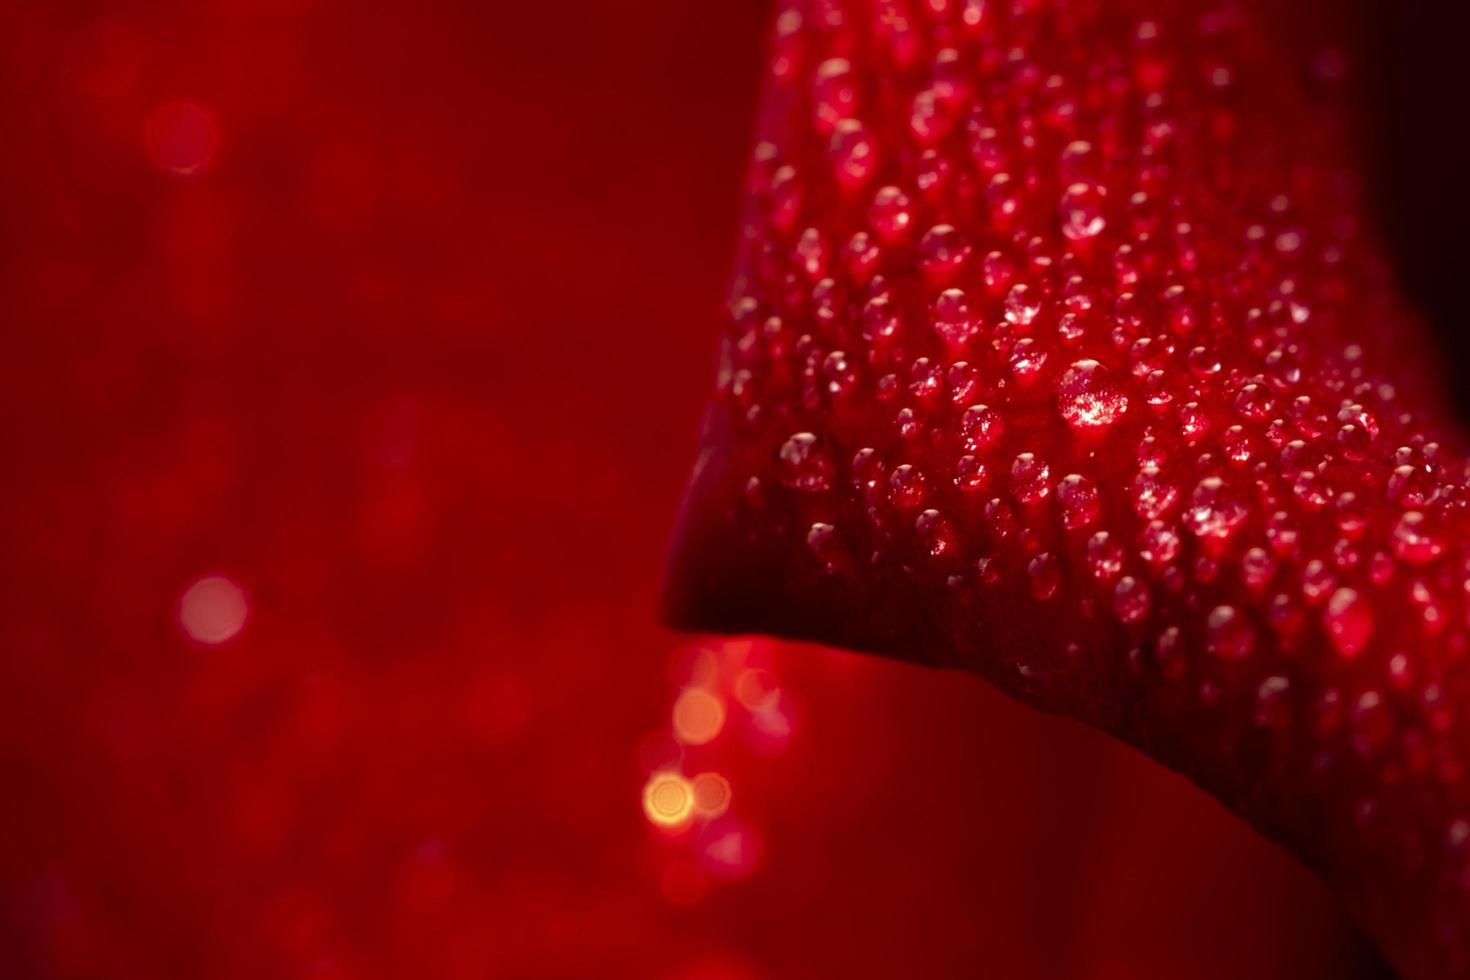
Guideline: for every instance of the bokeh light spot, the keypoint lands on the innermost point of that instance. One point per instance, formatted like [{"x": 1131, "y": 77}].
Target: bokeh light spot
[
  {"x": 756, "y": 689},
  {"x": 731, "y": 849},
  {"x": 668, "y": 799},
  {"x": 181, "y": 138},
  {"x": 213, "y": 610},
  {"x": 698, "y": 716},
  {"x": 683, "y": 883},
  {"x": 711, "y": 794}
]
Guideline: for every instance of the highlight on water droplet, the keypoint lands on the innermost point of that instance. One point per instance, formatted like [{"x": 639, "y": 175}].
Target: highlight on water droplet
[{"x": 213, "y": 610}]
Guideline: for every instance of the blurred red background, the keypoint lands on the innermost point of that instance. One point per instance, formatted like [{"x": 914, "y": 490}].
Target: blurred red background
[{"x": 354, "y": 356}]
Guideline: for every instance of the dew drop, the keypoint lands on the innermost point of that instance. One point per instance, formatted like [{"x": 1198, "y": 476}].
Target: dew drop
[
  {"x": 1078, "y": 500},
  {"x": 839, "y": 374},
  {"x": 1131, "y": 601},
  {"x": 1027, "y": 361},
  {"x": 1257, "y": 568},
  {"x": 1104, "y": 557},
  {"x": 834, "y": 93},
  {"x": 852, "y": 154},
  {"x": 1087, "y": 398},
  {"x": 970, "y": 475},
  {"x": 1082, "y": 211},
  {"x": 953, "y": 321},
  {"x": 890, "y": 216},
  {"x": 981, "y": 428},
  {"x": 936, "y": 534},
  {"x": 1153, "y": 496},
  {"x": 804, "y": 464},
  {"x": 825, "y": 545},
  {"x": 1159, "y": 544},
  {"x": 1029, "y": 479},
  {"x": 1317, "y": 581},
  {"x": 1413, "y": 541},
  {"x": 1045, "y": 575},
  {"x": 1254, "y": 402},
  {"x": 1228, "y": 633},
  {"x": 1271, "y": 702},
  {"x": 1348, "y": 621},
  {"x": 1021, "y": 306},
  {"x": 1214, "y": 513},
  {"x": 943, "y": 252},
  {"x": 907, "y": 487}
]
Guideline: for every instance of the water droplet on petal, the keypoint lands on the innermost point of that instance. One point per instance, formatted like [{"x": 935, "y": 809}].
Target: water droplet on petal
[
  {"x": 1104, "y": 557},
  {"x": 908, "y": 489},
  {"x": 1082, "y": 211},
  {"x": 1413, "y": 541},
  {"x": 1153, "y": 496},
  {"x": 1045, "y": 575},
  {"x": 1159, "y": 543},
  {"x": 1214, "y": 513},
  {"x": 1131, "y": 600},
  {"x": 952, "y": 318},
  {"x": 943, "y": 252},
  {"x": 852, "y": 154},
  {"x": 1087, "y": 398},
  {"x": 1029, "y": 479},
  {"x": 1348, "y": 621},
  {"x": 936, "y": 534},
  {"x": 834, "y": 93},
  {"x": 1021, "y": 306},
  {"x": 890, "y": 216},
  {"x": 981, "y": 428},
  {"x": 1228, "y": 633},
  {"x": 804, "y": 464},
  {"x": 825, "y": 546},
  {"x": 1078, "y": 499}
]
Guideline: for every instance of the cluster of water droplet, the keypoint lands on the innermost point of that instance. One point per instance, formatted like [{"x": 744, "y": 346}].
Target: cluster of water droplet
[{"x": 1034, "y": 303}]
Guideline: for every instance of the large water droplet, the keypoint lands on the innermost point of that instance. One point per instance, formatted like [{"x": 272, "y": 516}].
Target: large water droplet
[
  {"x": 1082, "y": 211},
  {"x": 1348, "y": 621},
  {"x": 1087, "y": 398}
]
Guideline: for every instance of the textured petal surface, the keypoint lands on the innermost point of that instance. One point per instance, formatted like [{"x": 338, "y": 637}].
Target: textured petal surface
[{"x": 1059, "y": 349}]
